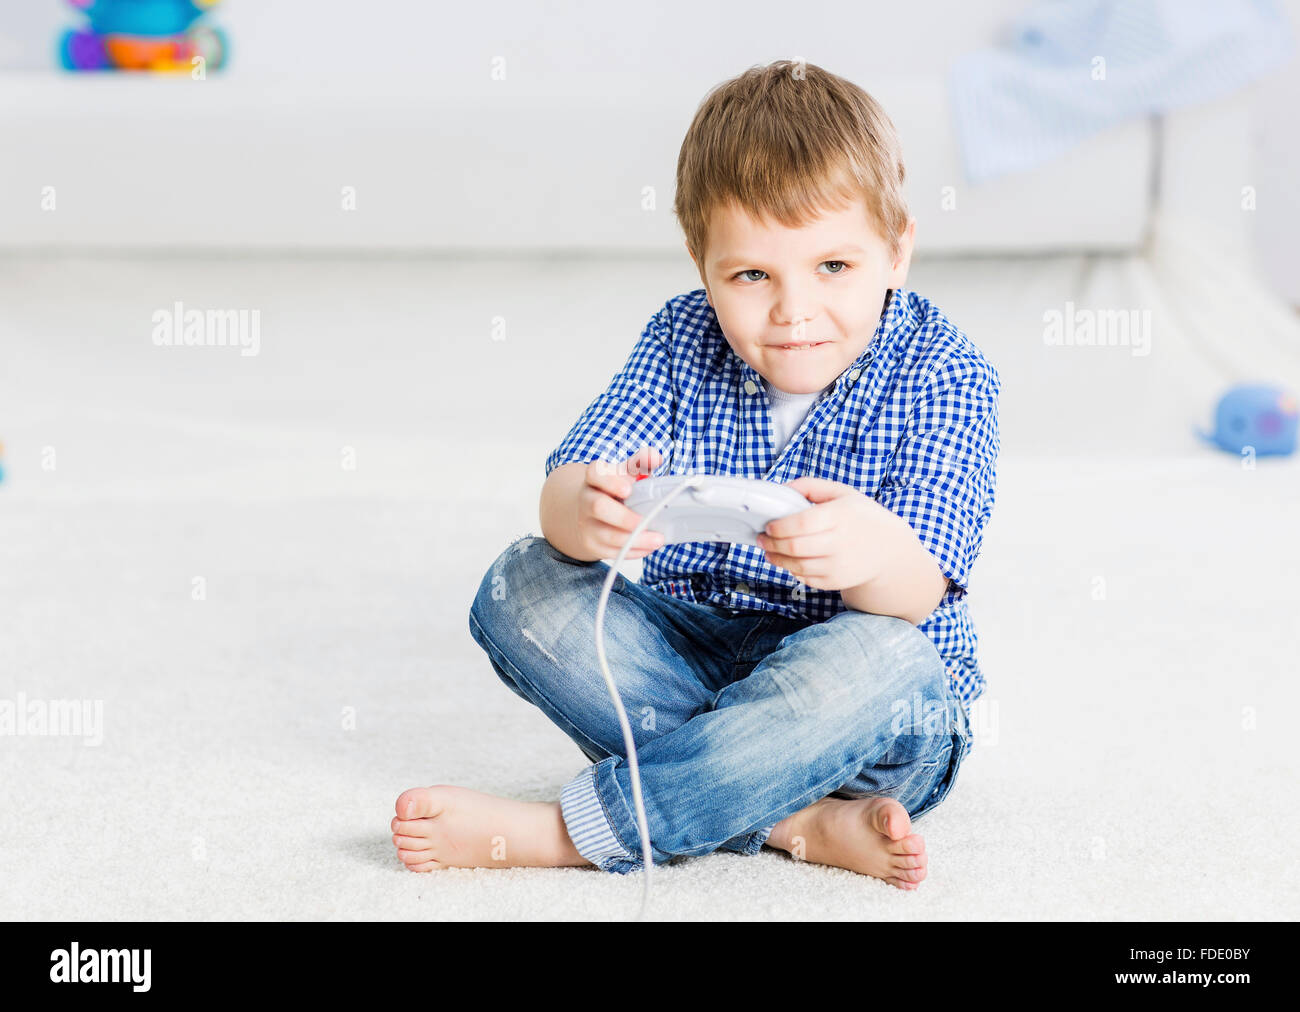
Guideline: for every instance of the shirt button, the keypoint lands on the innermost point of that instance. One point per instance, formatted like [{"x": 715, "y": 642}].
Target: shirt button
[
  {"x": 854, "y": 373},
  {"x": 742, "y": 588},
  {"x": 751, "y": 387}
]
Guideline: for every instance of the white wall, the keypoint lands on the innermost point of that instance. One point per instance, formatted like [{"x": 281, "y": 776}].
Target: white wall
[
  {"x": 560, "y": 46},
  {"x": 1275, "y": 153}
]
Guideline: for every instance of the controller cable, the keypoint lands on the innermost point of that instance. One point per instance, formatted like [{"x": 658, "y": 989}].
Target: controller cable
[{"x": 628, "y": 743}]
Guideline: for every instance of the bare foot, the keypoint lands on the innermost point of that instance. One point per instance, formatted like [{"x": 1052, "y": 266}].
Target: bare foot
[
  {"x": 454, "y": 827},
  {"x": 867, "y": 835}
]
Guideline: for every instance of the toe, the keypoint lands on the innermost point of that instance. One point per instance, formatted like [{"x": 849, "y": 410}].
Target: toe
[
  {"x": 413, "y": 856},
  {"x": 913, "y": 844},
  {"x": 418, "y": 803},
  {"x": 891, "y": 819},
  {"x": 426, "y": 866},
  {"x": 412, "y": 842},
  {"x": 415, "y": 827}
]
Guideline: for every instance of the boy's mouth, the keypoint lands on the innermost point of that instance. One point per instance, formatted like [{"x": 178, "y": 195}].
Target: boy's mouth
[{"x": 799, "y": 347}]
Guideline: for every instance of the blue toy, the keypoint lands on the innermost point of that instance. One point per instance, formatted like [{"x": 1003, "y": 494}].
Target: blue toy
[
  {"x": 142, "y": 17},
  {"x": 1261, "y": 417}
]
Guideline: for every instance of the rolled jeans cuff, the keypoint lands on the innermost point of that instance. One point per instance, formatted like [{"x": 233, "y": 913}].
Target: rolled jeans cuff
[
  {"x": 589, "y": 825},
  {"x": 756, "y": 840}
]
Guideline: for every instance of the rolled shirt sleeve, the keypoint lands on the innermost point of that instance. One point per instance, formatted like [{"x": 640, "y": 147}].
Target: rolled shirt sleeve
[
  {"x": 635, "y": 410},
  {"x": 943, "y": 475}
]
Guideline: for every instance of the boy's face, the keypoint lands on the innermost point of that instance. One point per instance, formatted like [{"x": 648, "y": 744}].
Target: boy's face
[{"x": 822, "y": 285}]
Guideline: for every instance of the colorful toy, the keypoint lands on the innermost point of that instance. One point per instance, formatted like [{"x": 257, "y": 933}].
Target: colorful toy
[
  {"x": 157, "y": 35},
  {"x": 1261, "y": 417}
]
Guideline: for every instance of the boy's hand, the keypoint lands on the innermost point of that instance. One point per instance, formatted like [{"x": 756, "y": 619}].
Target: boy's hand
[
  {"x": 844, "y": 541},
  {"x": 603, "y": 521}
]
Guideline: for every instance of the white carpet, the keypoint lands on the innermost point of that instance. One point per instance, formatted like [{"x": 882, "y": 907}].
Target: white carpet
[{"x": 1136, "y": 601}]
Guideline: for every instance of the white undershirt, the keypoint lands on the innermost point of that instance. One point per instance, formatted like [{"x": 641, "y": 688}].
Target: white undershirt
[{"x": 789, "y": 410}]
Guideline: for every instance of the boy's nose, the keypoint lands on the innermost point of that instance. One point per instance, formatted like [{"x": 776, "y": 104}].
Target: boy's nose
[{"x": 797, "y": 319}]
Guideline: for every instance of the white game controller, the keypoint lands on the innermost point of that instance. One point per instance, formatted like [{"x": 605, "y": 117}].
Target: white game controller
[
  {"x": 686, "y": 507},
  {"x": 713, "y": 507}
]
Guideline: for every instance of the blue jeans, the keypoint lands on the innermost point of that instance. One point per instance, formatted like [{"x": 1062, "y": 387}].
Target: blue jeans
[{"x": 740, "y": 717}]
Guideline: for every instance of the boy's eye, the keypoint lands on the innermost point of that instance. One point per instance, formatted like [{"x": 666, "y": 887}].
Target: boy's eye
[{"x": 754, "y": 270}]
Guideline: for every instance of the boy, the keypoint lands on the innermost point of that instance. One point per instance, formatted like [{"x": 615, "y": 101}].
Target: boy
[{"x": 810, "y": 694}]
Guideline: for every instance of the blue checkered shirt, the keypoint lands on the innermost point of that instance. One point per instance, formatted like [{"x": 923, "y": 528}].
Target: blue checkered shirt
[{"x": 912, "y": 423}]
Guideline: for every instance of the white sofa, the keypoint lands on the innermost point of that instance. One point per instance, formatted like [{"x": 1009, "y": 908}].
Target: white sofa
[{"x": 234, "y": 163}]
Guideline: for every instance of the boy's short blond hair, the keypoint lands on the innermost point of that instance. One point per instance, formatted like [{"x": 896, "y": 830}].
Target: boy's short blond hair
[{"x": 786, "y": 141}]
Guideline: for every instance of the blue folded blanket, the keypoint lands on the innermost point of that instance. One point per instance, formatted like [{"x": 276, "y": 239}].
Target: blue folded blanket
[{"x": 1070, "y": 68}]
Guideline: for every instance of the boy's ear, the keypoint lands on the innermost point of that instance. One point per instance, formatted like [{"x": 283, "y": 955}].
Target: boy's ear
[
  {"x": 695, "y": 261},
  {"x": 898, "y": 269},
  {"x": 700, "y": 270}
]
